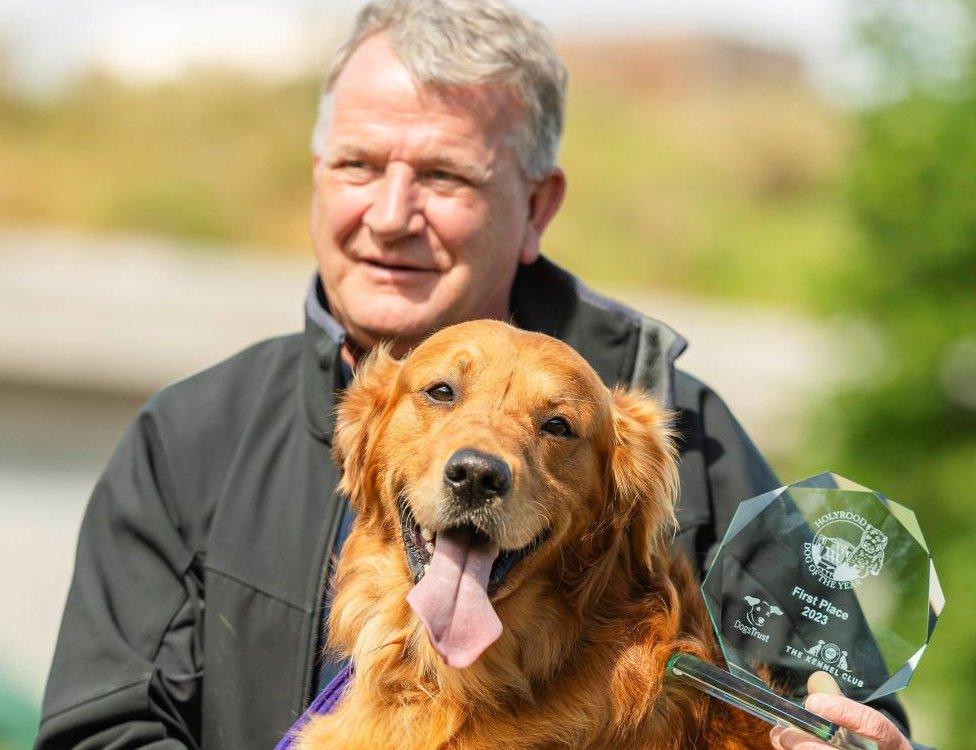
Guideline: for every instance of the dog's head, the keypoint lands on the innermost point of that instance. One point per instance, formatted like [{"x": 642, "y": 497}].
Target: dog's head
[{"x": 491, "y": 457}]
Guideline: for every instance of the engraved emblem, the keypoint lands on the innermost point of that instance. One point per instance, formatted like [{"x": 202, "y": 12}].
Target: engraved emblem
[
  {"x": 831, "y": 654},
  {"x": 845, "y": 550}
]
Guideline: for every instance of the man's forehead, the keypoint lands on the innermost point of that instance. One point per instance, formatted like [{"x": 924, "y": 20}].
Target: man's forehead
[
  {"x": 376, "y": 89},
  {"x": 364, "y": 131}
]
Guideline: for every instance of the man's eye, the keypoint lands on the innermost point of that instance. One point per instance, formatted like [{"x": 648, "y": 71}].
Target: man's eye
[
  {"x": 442, "y": 175},
  {"x": 557, "y": 426},
  {"x": 441, "y": 392},
  {"x": 355, "y": 165}
]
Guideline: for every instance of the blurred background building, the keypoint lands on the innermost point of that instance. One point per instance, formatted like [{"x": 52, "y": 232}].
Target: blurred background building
[{"x": 790, "y": 185}]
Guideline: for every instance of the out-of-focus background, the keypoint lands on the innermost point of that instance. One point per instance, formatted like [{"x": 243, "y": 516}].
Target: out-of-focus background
[{"x": 791, "y": 185}]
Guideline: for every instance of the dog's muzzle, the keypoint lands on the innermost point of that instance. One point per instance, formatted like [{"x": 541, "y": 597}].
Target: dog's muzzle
[{"x": 475, "y": 479}]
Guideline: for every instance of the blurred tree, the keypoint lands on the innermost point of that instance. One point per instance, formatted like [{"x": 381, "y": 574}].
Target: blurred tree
[
  {"x": 18, "y": 719},
  {"x": 909, "y": 426}
]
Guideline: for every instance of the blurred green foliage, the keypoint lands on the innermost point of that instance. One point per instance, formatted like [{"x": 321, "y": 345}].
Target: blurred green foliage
[
  {"x": 727, "y": 193},
  {"x": 725, "y": 189},
  {"x": 216, "y": 157},
  {"x": 18, "y": 719},
  {"x": 908, "y": 427}
]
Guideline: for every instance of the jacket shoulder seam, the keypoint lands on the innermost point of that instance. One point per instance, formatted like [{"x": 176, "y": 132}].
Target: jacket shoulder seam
[
  {"x": 255, "y": 587},
  {"x": 606, "y": 304},
  {"x": 193, "y": 380}
]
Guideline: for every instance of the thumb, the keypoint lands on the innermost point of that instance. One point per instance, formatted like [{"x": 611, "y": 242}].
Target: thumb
[{"x": 821, "y": 682}]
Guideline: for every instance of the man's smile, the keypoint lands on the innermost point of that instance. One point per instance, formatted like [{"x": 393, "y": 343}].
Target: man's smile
[{"x": 384, "y": 270}]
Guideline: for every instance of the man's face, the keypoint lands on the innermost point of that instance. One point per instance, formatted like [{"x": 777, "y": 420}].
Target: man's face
[{"x": 421, "y": 213}]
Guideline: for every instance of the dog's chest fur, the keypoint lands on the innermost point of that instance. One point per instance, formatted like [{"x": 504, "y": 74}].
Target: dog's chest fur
[{"x": 607, "y": 691}]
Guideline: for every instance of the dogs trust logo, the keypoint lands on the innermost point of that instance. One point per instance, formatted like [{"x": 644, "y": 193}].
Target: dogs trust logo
[
  {"x": 759, "y": 610},
  {"x": 845, "y": 550}
]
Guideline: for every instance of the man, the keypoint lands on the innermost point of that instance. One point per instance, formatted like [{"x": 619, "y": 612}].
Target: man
[{"x": 195, "y": 614}]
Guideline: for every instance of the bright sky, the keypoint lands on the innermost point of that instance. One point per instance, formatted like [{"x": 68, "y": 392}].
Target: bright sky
[{"x": 47, "y": 40}]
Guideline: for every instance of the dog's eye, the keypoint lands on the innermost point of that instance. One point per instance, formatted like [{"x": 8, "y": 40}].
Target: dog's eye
[
  {"x": 441, "y": 392},
  {"x": 557, "y": 426}
]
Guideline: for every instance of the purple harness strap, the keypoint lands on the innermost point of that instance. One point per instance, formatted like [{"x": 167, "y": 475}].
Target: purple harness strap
[{"x": 324, "y": 703}]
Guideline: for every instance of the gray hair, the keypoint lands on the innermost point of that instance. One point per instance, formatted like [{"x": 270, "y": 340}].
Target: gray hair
[{"x": 468, "y": 42}]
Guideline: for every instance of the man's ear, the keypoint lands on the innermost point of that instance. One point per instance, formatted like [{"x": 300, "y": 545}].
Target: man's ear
[
  {"x": 544, "y": 202},
  {"x": 358, "y": 416},
  {"x": 643, "y": 474}
]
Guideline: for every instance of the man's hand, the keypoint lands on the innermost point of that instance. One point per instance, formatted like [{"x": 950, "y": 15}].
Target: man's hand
[{"x": 825, "y": 699}]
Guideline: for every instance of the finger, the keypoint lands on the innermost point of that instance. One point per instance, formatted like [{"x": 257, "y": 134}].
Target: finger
[
  {"x": 821, "y": 682},
  {"x": 862, "y": 719},
  {"x": 790, "y": 738}
]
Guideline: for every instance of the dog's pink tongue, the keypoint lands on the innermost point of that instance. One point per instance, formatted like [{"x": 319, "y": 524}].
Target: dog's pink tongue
[{"x": 452, "y": 598}]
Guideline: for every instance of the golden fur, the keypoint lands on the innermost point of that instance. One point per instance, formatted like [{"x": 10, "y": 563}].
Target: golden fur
[{"x": 590, "y": 618}]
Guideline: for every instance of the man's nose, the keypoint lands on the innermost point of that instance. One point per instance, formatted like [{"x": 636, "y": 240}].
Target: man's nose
[
  {"x": 475, "y": 478},
  {"x": 395, "y": 211}
]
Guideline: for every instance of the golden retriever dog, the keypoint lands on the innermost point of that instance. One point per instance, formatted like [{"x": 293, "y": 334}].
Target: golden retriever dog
[{"x": 508, "y": 582}]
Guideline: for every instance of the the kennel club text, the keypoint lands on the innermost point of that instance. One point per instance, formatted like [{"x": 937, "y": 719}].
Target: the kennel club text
[
  {"x": 828, "y": 657},
  {"x": 818, "y": 609}
]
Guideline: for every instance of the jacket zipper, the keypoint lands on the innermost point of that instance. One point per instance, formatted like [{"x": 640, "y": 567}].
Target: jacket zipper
[{"x": 315, "y": 637}]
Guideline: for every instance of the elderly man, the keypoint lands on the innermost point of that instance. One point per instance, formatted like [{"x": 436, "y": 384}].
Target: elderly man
[{"x": 195, "y": 616}]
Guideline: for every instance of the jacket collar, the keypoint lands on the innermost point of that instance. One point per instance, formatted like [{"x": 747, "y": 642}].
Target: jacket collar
[
  {"x": 321, "y": 364},
  {"x": 622, "y": 345}
]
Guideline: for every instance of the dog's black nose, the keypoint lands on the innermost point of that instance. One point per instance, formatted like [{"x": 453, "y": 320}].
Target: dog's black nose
[{"x": 475, "y": 478}]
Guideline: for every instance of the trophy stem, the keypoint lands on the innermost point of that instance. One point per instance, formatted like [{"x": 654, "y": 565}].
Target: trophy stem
[{"x": 761, "y": 703}]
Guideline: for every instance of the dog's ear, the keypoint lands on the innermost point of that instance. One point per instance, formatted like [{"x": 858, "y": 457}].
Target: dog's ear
[
  {"x": 358, "y": 415},
  {"x": 630, "y": 533},
  {"x": 643, "y": 475}
]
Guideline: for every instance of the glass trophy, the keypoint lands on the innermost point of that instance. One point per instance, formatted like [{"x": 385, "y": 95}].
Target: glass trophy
[{"x": 821, "y": 575}]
